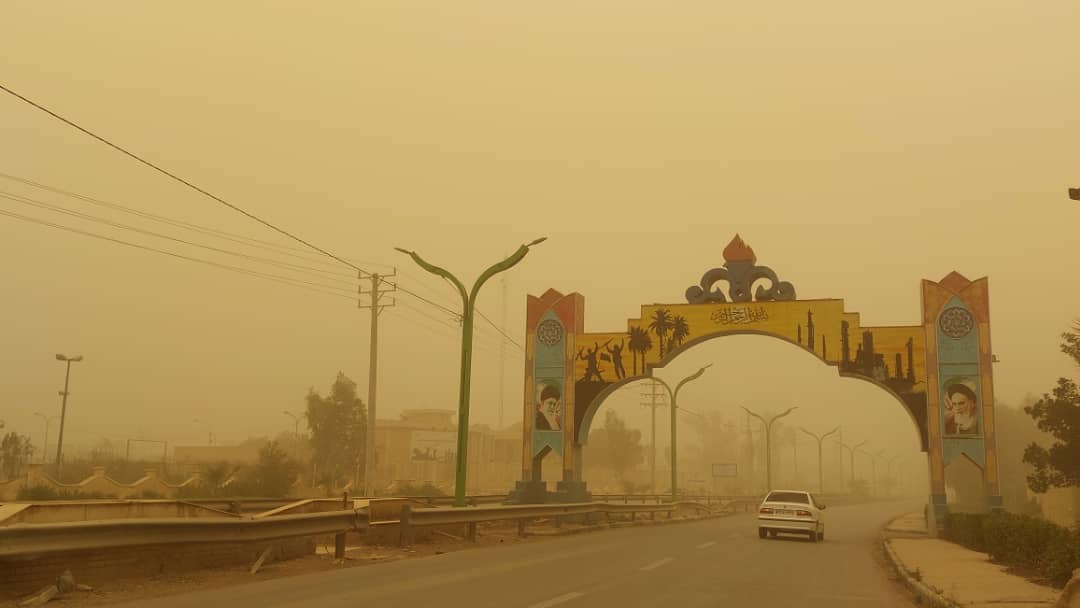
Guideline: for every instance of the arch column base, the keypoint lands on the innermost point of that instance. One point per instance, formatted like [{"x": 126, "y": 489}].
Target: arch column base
[
  {"x": 937, "y": 513},
  {"x": 529, "y": 492},
  {"x": 996, "y": 503},
  {"x": 570, "y": 491}
]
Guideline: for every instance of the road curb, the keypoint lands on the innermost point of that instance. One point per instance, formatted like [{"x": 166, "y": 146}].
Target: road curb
[{"x": 921, "y": 590}]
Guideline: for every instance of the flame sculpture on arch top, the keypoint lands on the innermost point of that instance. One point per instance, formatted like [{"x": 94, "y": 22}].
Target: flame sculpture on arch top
[{"x": 939, "y": 370}]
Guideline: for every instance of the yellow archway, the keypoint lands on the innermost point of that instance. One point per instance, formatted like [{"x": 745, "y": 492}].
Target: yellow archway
[{"x": 935, "y": 368}]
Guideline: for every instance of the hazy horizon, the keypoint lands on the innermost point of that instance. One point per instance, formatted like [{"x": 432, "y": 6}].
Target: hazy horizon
[{"x": 850, "y": 148}]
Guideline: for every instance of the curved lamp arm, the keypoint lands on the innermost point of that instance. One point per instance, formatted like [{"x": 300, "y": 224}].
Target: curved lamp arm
[
  {"x": 755, "y": 415},
  {"x": 436, "y": 270},
  {"x": 691, "y": 377},
  {"x": 502, "y": 266},
  {"x": 835, "y": 429}
]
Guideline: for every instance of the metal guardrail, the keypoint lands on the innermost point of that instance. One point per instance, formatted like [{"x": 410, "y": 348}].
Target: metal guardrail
[
  {"x": 35, "y": 539},
  {"x": 433, "y": 517},
  {"x": 32, "y": 540}
]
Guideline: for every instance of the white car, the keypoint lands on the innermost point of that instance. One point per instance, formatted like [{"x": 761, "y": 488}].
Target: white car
[{"x": 791, "y": 512}]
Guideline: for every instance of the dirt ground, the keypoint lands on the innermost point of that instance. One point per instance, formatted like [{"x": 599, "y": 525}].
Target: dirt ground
[{"x": 488, "y": 535}]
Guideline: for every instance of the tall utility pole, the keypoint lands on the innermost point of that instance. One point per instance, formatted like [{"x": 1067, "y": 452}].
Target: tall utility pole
[
  {"x": 768, "y": 441},
  {"x": 376, "y": 307},
  {"x": 63, "y": 411},
  {"x": 652, "y": 395}
]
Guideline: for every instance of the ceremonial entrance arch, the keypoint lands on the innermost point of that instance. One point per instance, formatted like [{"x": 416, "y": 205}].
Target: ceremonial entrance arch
[{"x": 940, "y": 369}]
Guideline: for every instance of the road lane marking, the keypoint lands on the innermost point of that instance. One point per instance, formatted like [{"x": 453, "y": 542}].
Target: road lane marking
[
  {"x": 555, "y": 601},
  {"x": 657, "y": 564},
  {"x": 706, "y": 545}
]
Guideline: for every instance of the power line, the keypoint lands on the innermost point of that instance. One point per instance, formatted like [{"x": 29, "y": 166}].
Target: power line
[
  {"x": 222, "y": 234},
  {"x": 255, "y": 273},
  {"x": 500, "y": 330},
  {"x": 180, "y": 179},
  {"x": 229, "y": 236},
  {"x": 206, "y": 193},
  {"x": 290, "y": 281},
  {"x": 91, "y": 218}
]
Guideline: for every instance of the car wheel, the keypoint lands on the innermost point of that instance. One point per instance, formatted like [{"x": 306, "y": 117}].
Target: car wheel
[
  {"x": 813, "y": 536},
  {"x": 762, "y": 533},
  {"x": 821, "y": 535}
]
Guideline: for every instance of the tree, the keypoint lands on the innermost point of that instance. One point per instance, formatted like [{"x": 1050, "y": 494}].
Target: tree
[
  {"x": 338, "y": 427},
  {"x": 1058, "y": 414},
  {"x": 661, "y": 325},
  {"x": 15, "y": 452},
  {"x": 640, "y": 344},
  {"x": 1012, "y": 470},
  {"x": 615, "y": 446},
  {"x": 680, "y": 330},
  {"x": 275, "y": 473}
]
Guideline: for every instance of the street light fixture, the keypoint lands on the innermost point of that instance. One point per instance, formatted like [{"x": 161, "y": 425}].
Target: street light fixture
[
  {"x": 296, "y": 432},
  {"x": 296, "y": 423},
  {"x": 873, "y": 469},
  {"x": 820, "y": 439},
  {"x": 63, "y": 409},
  {"x": 674, "y": 427},
  {"x": 468, "y": 302},
  {"x": 851, "y": 455},
  {"x": 768, "y": 441}
]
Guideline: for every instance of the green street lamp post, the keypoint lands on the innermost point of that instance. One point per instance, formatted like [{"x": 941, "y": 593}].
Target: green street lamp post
[
  {"x": 674, "y": 435},
  {"x": 820, "y": 460},
  {"x": 468, "y": 302},
  {"x": 768, "y": 441}
]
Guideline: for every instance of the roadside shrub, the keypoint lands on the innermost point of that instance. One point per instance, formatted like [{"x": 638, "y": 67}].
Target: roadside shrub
[
  {"x": 966, "y": 529},
  {"x": 1019, "y": 541}
]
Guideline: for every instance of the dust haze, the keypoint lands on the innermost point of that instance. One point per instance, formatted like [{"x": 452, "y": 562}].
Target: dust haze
[{"x": 858, "y": 149}]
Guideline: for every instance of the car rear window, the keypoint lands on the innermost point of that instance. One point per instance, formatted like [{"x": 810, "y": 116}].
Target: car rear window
[{"x": 798, "y": 497}]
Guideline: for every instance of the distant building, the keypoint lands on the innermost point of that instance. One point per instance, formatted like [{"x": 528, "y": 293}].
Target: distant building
[{"x": 421, "y": 446}]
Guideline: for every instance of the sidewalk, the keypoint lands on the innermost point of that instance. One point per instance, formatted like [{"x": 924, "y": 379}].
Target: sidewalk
[{"x": 960, "y": 575}]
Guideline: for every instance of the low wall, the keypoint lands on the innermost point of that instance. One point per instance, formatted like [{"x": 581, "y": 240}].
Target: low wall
[
  {"x": 52, "y": 512},
  {"x": 99, "y": 567},
  {"x": 98, "y": 483}
]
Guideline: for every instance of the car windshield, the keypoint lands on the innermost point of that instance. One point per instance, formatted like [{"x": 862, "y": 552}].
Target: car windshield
[{"x": 799, "y": 497}]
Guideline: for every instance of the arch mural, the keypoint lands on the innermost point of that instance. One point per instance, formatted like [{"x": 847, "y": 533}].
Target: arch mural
[{"x": 938, "y": 370}]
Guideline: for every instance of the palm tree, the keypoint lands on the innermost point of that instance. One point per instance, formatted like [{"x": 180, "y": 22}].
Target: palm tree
[
  {"x": 661, "y": 325},
  {"x": 680, "y": 330},
  {"x": 640, "y": 343}
]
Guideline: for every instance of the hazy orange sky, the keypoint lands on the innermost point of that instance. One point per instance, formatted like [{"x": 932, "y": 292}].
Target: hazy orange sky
[{"x": 858, "y": 147}]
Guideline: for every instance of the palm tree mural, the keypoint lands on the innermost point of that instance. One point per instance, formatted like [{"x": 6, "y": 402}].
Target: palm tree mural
[
  {"x": 680, "y": 330},
  {"x": 640, "y": 343},
  {"x": 661, "y": 325}
]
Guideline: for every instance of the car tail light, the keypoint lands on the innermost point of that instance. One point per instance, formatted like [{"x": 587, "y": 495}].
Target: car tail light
[
  {"x": 766, "y": 511},
  {"x": 802, "y": 513}
]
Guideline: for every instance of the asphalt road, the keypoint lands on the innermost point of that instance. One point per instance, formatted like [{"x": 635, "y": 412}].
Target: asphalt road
[{"x": 719, "y": 562}]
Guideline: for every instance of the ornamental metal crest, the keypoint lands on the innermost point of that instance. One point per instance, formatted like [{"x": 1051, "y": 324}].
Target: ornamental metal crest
[{"x": 740, "y": 270}]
